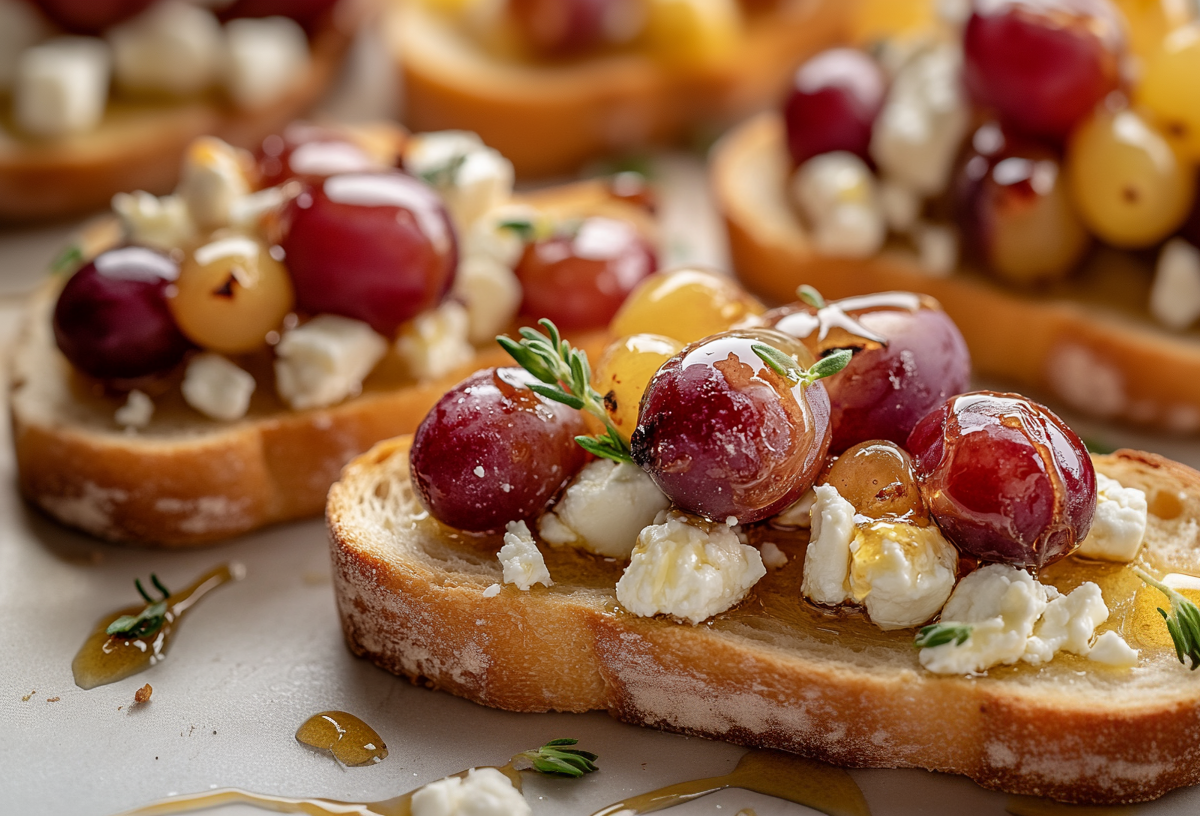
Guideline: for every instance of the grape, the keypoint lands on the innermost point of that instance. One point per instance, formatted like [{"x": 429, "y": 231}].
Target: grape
[
  {"x": 377, "y": 247},
  {"x": 112, "y": 320},
  {"x": 305, "y": 12},
  {"x": 492, "y": 451},
  {"x": 723, "y": 435},
  {"x": 623, "y": 372},
  {"x": 1015, "y": 211},
  {"x": 580, "y": 280},
  {"x": 877, "y": 478},
  {"x": 1129, "y": 186},
  {"x": 90, "y": 16},
  {"x": 310, "y": 153},
  {"x": 1005, "y": 478},
  {"x": 686, "y": 304},
  {"x": 884, "y": 390},
  {"x": 563, "y": 28},
  {"x": 1170, "y": 88},
  {"x": 1042, "y": 64},
  {"x": 833, "y": 102}
]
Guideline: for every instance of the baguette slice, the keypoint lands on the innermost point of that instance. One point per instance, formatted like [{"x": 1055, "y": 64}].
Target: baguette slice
[
  {"x": 776, "y": 672},
  {"x": 1089, "y": 342},
  {"x": 140, "y": 146},
  {"x": 185, "y": 479},
  {"x": 552, "y": 119}
]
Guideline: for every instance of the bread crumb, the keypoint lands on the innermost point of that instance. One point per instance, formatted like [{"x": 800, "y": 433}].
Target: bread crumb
[
  {"x": 142, "y": 695},
  {"x": 25, "y": 699},
  {"x": 53, "y": 699}
]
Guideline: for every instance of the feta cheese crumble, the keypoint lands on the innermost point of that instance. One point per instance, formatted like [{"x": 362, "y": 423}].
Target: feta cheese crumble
[
  {"x": 827, "y": 558},
  {"x": 836, "y": 193},
  {"x": 521, "y": 559},
  {"x": 61, "y": 86},
  {"x": 264, "y": 58},
  {"x": 325, "y": 360},
  {"x": 434, "y": 343},
  {"x": 797, "y": 515},
  {"x": 1119, "y": 524},
  {"x": 136, "y": 412},
  {"x": 152, "y": 221},
  {"x": 772, "y": 556},
  {"x": 482, "y": 792},
  {"x": 172, "y": 47},
  {"x": 604, "y": 509},
  {"x": 1111, "y": 650},
  {"x": 213, "y": 178},
  {"x": 472, "y": 177},
  {"x": 217, "y": 388},
  {"x": 901, "y": 574},
  {"x": 1175, "y": 295}
]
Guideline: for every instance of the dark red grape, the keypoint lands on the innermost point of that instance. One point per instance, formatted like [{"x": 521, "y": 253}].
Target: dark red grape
[
  {"x": 492, "y": 451},
  {"x": 305, "y": 12},
  {"x": 885, "y": 389},
  {"x": 563, "y": 28},
  {"x": 377, "y": 247},
  {"x": 833, "y": 102},
  {"x": 310, "y": 153},
  {"x": 90, "y": 16},
  {"x": 1005, "y": 478},
  {"x": 580, "y": 280},
  {"x": 1043, "y": 64},
  {"x": 112, "y": 320},
  {"x": 723, "y": 435}
]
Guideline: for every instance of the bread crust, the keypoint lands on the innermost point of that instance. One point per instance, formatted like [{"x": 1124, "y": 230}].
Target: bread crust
[
  {"x": 1090, "y": 343},
  {"x": 551, "y": 120},
  {"x": 411, "y": 600}
]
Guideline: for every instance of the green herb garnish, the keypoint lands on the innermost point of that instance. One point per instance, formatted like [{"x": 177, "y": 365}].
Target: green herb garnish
[
  {"x": 786, "y": 366},
  {"x": 444, "y": 175},
  {"x": 68, "y": 260},
  {"x": 938, "y": 634},
  {"x": 150, "y": 620},
  {"x": 523, "y": 227},
  {"x": 1096, "y": 446},
  {"x": 811, "y": 296},
  {"x": 556, "y": 760},
  {"x": 566, "y": 377},
  {"x": 1183, "y": 621}
]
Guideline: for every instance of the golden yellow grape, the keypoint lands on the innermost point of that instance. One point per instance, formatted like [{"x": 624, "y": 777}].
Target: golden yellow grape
[
  {"x": 685, "y": 304},
  {"x": 624, "y": 371},
  {"x": 1170, "y": 89}
]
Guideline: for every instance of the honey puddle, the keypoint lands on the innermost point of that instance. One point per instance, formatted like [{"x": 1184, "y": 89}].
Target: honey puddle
[
  {"x": 1034, "y": 806},
  {"x": 351, "y": 741},
  {"x": 106, "y": 658}
]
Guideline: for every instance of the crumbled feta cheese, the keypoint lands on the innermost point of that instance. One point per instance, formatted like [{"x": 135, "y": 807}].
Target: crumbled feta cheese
[
  {"x": 152, "y": 221},
  {"x": 136, "y": 412},
  {"x": 772, "y": 556},
  {"x": 917, "y": 134},
  {"x": 1068, "y": 623},
  {"x": 901, "y": 206},
  {"x": 489, "y": 238},
  {"x": 325, "y": 360},
  {"x": 172, "y": 47},
  {"x": 836, "y": 194},
  {"x": 212, "y": 180},
  {"x": 604, "y": 509},
  {"x": 1175, "y": 296},
  {"x": 472, "y": 177},
  {"x": 1112, "y": 650},
  {"x": 937, "y": 248},
  {"x": 827, "y": 559},
  {"x": 901, "y": 574},
  {"x": 523, "y": 563},
  {"x": 264, "y": 59},
  {"x": 492, "y": 591},
  {"x": 1119, "y": 524},
  {"x": 688, "y": 569},
  {"x": 492, "y": 295},
  {"x": 247, "y": 211},
  {"x": 482, "y": 792},
  {"x": 61, "y": 86},
  {"x": 21, "y": 27},
  {"x": 798, "y": 514},
  {"x": 435, "y": 342},
  {"x": 217, "y": 388}
]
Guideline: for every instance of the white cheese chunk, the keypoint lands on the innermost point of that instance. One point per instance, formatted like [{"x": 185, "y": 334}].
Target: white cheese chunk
[
  {"x": 827, "y": 559},
  {"x": 61, "y": 86},
  {"x": 772, "y": 556},
  {"x": 471, "y": 177},
  {"x": 521, "y": 559},
  {"x": 901, "y": 574},
  {"x": 1112, "y": 650},
  {"x": 213, "y": 179},
  {"x": 1175, "y": 295},
  {"x": 173, "y": 47},
  {"x": 483, "y": 792},
  {"x": 1068, "y": 623},
  {"x": 217, "y": 388},
  {"x": 901, "y": 206},
  {"x": 325, "y": 360},
  {"x": 488, "y": 237},
  {"x": 797, "y": 515},
  {"x": 604, "y": 509},
  {"x": 492, "y": 295},
  {"x": 492, "y": 591},
  {"x": 21, "y": 27},
  {"x": 149, "y": 220},
  {"x": 1119, "y": 524},
  {"x": 688, "y": 569},
  {"x": 264, "y": 59},
  {"x": 435, "y": 342},
  {"x": 246, "y": 212},
  {"x": 136, "y": 412},
  {"x": 937, "y": 248},
  {"x": 837, "y": 196}
]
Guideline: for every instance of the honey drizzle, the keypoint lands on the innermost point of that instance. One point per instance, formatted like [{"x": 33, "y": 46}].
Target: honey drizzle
[
  {"x": 105, "y": 658},
  {"x": 785, "y": 776},
  {"x": 1035, "y": 806},
  {"x": 351, "y": 741}
]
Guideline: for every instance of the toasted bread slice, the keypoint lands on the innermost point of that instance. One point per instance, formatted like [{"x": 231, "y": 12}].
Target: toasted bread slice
[
  {"x": 184, "y": 479},
  {"x": 775, "y": 671},
  {"x": 550, "y": 119},
  {"x": 141, "y": 146},
  {"x": 1089, "y": 342}
]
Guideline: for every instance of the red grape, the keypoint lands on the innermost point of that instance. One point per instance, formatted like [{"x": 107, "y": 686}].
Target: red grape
[
  {"x": 723, "y": 435},
  {"x": 90, "y": 16},
  {"x": 580, "y": 280},
  {"x": 377, "y": 247},
  {"x": 1005, "y": 478},
  {"x": 833, "y": 103},
  {"x": 563, "y": 28},
  {"x": 305, "y": 12},
  {"x": 1042, "y": 64},
  {"x": 310, "y": 153},
  {"x": 112, "y": 319},
  {"x": 492, "y": 451},
  {"x": 885, "y": 389}
]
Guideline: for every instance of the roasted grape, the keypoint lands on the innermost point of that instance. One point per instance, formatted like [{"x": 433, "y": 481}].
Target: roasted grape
[
  {"x": 377, "y": 247},
  {"x": 725, "y": 436},
  {"x": 909, "y": 357},
  {"x": 563, "y": 28},
  {"x": 877, "y": 478},
  {"x": 580, "y": 279},
  {"x": 90, "y": 16},
  {"x": 1005, "y": 478},
  {"x": 492, "y": 451},
  {"x": 686, "y": 304},
  {"x": 1170, "y": 88},
  {"x": 310, "y": 153},
  {"x": 623, "y": 372},
  {"x": 833, "y": 102},
  {"x": 112, "y": 320}
]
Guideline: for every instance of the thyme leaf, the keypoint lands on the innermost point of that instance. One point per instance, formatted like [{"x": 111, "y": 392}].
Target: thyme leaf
[
  {"x": 556, "y": 759},
  {"x": 1183, "y": 621},
  {"x": 149, "y": 620},
  {"x": 938, "y": 634}
]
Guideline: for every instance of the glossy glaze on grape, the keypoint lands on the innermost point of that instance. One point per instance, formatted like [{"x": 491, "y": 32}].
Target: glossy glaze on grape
[
  {"x": 1005, "y": 478},
  {"x": 377, "y": 247},
  {"x": 832, "y": 104},
  {"x": 310, "y": 153},
  {"x": 723, "y": 435},
  {"x": 90, "y": 16},
  {"x": 686, "y": 304},
  {"x": 112, "y": 320},
  {"x": 492, "y": 451},
  {"x": 877, "y": 478}
]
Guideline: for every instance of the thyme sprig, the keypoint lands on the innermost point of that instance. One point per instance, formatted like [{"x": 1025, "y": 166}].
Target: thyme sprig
[
  {"x": 786, "y": 366},
  {"x": 566, "y": 377},
  {"x": 1183, "y": 621},
  {"x": 445, "y": 174},
  {"x": 555, "y": 759},
  {"x": 150, "y": 620},
  {"x": 808, "y": 294},
  {"x": 937, "y": 634}
]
